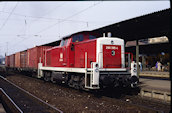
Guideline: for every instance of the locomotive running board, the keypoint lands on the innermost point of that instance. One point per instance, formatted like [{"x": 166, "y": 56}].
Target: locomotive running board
[{"x": 77, "y": 70}]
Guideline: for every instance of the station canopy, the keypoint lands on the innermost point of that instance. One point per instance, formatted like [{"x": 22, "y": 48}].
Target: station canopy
[{"x": 142, "y": 27}]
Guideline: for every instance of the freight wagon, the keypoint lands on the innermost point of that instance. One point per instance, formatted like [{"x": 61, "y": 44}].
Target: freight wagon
[
  {"x": 7, "y": 61},
  {"x": 27, "y": 60},
  {"x": 23, "y": 59},
  {"x": 12, "y": 60}
]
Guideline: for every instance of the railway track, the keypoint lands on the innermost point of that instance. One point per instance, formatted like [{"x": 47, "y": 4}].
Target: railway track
[
  {"x": 130, "y": 104},
  {"x": 27, "y": 102},
  {"x": 7, "y": 104}
]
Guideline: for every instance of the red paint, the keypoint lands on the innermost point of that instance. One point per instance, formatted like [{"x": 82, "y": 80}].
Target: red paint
[
  {"x": 34, "y": 55},
  {"x": 23, "y": 59},
  {"x": 58, "y": 56},
  {"x": 81, "y": 49},
  {"x": 12, "y": 60},
  {"x": 64, "y": 56},
  {"x": 17, "y": 59},
  {"x": 110, "y": 61}
]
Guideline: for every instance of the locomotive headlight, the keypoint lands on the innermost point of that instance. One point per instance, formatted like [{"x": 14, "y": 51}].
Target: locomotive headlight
[{"x": 113, "y": 53}]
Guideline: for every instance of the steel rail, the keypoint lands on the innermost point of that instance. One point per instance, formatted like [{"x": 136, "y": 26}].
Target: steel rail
[
  {"x": 19, "y": 110},
  {"x": 31, "y": 95}
]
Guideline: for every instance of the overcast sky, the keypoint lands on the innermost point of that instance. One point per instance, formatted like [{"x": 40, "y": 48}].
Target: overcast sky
[{"x": 27, "y": 24}]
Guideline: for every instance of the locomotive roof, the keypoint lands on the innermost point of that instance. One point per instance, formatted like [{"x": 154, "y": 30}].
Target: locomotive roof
[
  {"x": 55, "y": 43},
  {"x": 68, "y": 36}
]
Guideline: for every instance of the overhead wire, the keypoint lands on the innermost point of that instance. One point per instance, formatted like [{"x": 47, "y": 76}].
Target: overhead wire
[
  {"x": 41, "y": 17},
  {"x": 50, "y": 11},
  {"x": 3, "y": 7},
  {"x": 68, "y": 17},
  {"x": 8, "y": 16},
  {"x": 61, "y": 20},
  {"x": 47, "y": 13}
]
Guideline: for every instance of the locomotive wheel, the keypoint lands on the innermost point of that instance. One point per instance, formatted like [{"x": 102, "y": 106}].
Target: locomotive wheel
[
  {"x": 52, "y": 80},
  {"x": 82, "y": 83},
  {"x": 47, "y": 76},
  {"x": 70, "y": 83}
]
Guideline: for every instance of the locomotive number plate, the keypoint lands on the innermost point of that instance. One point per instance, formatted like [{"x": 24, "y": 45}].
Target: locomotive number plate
[{"x": 111, "y": 47}]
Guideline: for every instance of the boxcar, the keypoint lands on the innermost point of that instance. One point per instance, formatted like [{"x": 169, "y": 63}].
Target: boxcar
[
  {"x": 12, "y": 60},
  {"x": 17, "y": 60},
  {"x": 34, "y": 55},
  {"x": 23, "y": 59}
]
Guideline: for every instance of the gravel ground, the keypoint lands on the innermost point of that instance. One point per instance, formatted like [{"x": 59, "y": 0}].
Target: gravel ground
[{"x": 74, "y": 101}]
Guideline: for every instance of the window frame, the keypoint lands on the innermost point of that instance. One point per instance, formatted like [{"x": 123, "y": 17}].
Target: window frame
[{"x": 79, "y": 37}]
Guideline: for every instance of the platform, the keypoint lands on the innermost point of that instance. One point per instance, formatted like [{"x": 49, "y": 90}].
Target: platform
[
  {"x": 159, "y": 89},
  {"x": 154, "y": 74},
  {"x": 163, "y": 85}
]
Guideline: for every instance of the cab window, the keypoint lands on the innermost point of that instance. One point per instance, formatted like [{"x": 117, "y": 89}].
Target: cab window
[
  {"x": 66, "y": 41},
  {"x": 63, "y": 42},
  {"x": 77, "y": 38},
  {"x": 91, "y": 37}
]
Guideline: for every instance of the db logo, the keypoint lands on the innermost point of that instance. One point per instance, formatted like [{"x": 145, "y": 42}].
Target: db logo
[{"x": 61, "y": 57}]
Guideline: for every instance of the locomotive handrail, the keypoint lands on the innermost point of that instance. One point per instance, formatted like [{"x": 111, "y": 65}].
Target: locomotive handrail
[
  {"x": 129, "y": 68},
  {"x": 85, "y": 60},
  {"x": 130, "y": 54},
  {"x": 98, "y": 57}
]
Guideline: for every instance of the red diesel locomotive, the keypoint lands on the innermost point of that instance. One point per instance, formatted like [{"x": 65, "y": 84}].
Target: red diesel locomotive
[
  {"x": 84, "y": 61},
  {"x": 81, "y": 60}
]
